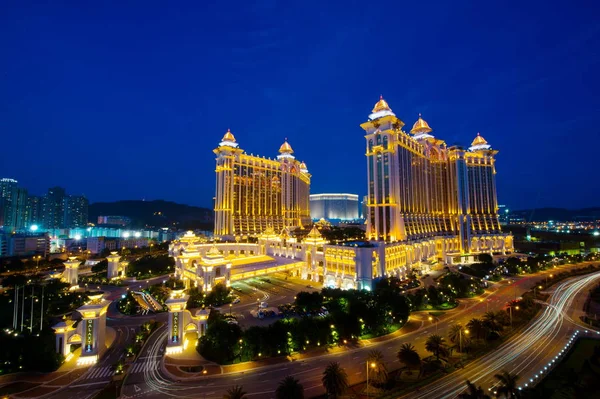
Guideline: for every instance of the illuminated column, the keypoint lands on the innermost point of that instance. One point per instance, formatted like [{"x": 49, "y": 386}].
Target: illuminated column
[
  {"x": 64, "y": 332},
  {"x": 123, "y": 268},
  {"x": 176, "y": 304},
  {"x": 113, "y": 265},
  {"x": 92, "y": 329},
  {"x": 71, "y": 273}
]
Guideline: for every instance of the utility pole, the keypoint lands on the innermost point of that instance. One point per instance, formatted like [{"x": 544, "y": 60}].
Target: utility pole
[
  {"x": 42, "y": 311},
  {"x": 16, "y": 308},
  {"x": 31, "y": 313},
  {"x": 23, "y": 310}
]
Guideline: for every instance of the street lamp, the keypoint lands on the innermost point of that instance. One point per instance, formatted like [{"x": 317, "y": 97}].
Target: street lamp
[
  {"x": 460, "y": 338},
  {"x": 431, "y": 318},
  {"x": 510, "y": 310},
  {"x": 230, "y": 306},
  {"x": 371, "y": 365},
  {"x": 487, "y": 305}
]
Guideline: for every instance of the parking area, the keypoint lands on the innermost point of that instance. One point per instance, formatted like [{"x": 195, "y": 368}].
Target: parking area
[{"x": 266, "y": 292}]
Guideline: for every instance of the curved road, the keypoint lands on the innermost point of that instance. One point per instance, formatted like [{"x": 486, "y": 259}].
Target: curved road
[
  {"x": 530, "y": 349},
  {"x": 531, "y": 353}
]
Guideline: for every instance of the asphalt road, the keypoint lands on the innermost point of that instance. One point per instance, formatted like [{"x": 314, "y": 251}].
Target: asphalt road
[
  {"x": 262, "y": 382},
  {"x": 531, "y": 353}
]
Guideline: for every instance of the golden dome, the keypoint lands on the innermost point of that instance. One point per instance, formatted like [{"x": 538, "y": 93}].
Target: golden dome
[
  {"x": 228, "y": 136},
  {"x": 420, "y": 126},
  {"x": 286, "y": 148},
  {"x": 381, "y": 105},
  {"x": 303, "y": 165},
  {"x": 478, "y": 140}
]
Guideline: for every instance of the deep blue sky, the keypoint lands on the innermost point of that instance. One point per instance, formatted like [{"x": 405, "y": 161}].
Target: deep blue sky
[{"x": 127, "y": 101}]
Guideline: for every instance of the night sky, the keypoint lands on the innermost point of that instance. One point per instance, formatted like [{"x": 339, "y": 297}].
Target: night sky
[{"x": 127, "y": 101}]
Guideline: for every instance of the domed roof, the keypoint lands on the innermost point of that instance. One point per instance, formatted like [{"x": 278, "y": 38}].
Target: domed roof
[
  {"x": 478, "y": 140},
  {"x": 303, "y": 166},
  {"x": 228, "y": 136},
  {"x": 381, "y": 105},
  {"x": 286, "y": 148},
  {"x": 420, "y": 126}
]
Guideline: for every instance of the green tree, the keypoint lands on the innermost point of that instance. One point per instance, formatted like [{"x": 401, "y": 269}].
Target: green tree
[
  {"x": 235, "y": 392},
  {"x": 289, "y": 388},
  {"x": 409, "y": 356},
  {"x": 379, "y": 372},
  {"x": 218, "y": 295},
  {"x": 473, "y": 392},
  {"x": 508, "y": 385},
  {"x": 335, "y": 380},
  {"x": 454, "y": 334},
  {"x": 436, "y": 344},
  {"x": 477, "y": 328},
  {"x": 309, "y": 301},
  {"x": 492, "y": 322}
]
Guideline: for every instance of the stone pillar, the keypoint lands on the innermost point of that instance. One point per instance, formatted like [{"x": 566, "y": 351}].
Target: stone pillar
[
  {"x": 63, "y": 332},
  {"x": 202, "y": 318},
  {"x": 123, "y": 268},
  {"x": 177, "y": 313},
  {"x": 113, "y": 265},
  {"x": 71, "y": 273},
  {"x": 92, "y": 329}
]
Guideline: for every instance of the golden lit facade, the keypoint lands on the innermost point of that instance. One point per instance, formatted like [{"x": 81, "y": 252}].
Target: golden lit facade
[
  {"x": 253, "y": 193},
  {"x": 422, "y": 191}
]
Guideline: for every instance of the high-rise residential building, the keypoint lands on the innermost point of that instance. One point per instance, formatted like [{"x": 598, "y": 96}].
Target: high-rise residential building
[
  {"x": 76, "y": 211},
  {"x": 34, "y": 211},
  {"x": 53, "y": 208},
  {"x": 420, "y": 189},
  {"x": 8, "y": 203},
  {"x": 254, "y": 192},
  {"x": 21, "y": 209},
  {"x": 334, "y": 206}
]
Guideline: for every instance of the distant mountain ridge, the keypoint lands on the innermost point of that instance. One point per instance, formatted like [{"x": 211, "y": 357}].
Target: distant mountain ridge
[
  {"x": 558, "y": 214},
  {"x": 155, "y": 214}
]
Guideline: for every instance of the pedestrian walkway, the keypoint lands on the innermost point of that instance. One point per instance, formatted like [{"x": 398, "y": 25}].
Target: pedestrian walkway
[
  {"x": 144, "y": 365},
  {"x": 98, "y": 373}
]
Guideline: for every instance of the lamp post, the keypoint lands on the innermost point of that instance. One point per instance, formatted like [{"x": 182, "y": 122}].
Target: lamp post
[
  {"x": 230, "y": 306},
  {"x": 371, "y": 365},
  {"x": 431, "y": 318},
  {"x": 539, "y": 287},
  {"x": 547, "y": 280},
  {"x": 487, "y": 307},
  {"x": 510, "y": 310},
  {"x": 460, "y": 338}
]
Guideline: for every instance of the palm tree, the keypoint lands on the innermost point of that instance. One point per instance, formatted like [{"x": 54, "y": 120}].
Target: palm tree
[
  {"x": 379, "y": 371},
  {"x": 409, "y": 356},
  {"x": 289, "y": 388},
  {"x": 508, "y": 385},
  {"x": 235, "y": 392},
  {"x": 473, "y": 392},
  {"x": 436, "y": 344},
  {"x": 477, "y": 328},
  {"x": 335, "y": 380},
  {"x": 454, "y": 333},
  {"x": 492, "y": 322}
]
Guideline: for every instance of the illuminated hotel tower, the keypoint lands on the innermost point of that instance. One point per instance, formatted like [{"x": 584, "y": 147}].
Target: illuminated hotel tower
[
  {"x": 421, "y": 189},
  {"x": 254, "y": 192}
]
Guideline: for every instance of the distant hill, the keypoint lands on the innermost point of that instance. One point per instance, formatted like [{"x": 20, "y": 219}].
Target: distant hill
[
  {"x": 155, "y": 214},
  {"x": 558, "y": 214}
]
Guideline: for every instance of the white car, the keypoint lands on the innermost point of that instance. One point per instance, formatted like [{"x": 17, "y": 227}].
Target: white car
[{"x": 236, "y": 300}]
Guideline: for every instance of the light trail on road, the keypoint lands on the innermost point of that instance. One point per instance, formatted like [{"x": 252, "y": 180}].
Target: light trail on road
[{"x": 527, "y": 349}]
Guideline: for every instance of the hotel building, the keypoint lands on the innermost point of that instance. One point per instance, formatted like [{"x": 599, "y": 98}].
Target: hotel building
[
  {"x": 428, "y": 205},
  {"x": 334, "y": 206},
  {"x": 255, "y": 192},
  {"x": 422, "y": 191}
]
